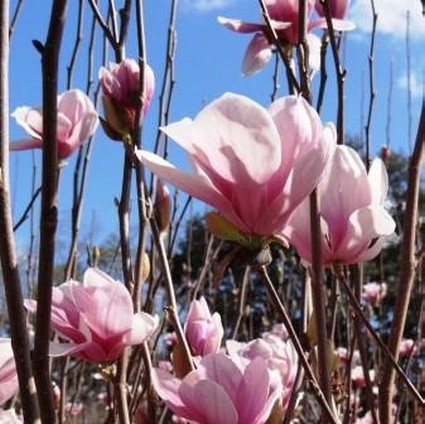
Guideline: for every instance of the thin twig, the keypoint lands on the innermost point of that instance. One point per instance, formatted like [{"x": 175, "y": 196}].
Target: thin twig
[
  {"x": 107, "y": 32},
  {"x": 27, "y": 210},
  {"x": 372, "y": 92},
  {"x": 15, "y": 15},
  {"x": 294, "y": 338},
  {"x": 283, "y": 55},
  {"x": 171, "y": 297},
  {"x": 339, "y": 71},
  {"x": 389, "y": 356}
]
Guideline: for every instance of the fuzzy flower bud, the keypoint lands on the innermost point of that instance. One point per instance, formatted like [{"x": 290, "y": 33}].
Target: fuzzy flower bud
[
  {"x": 120, "y": 87},
  {"x": 203, "y": 330}
]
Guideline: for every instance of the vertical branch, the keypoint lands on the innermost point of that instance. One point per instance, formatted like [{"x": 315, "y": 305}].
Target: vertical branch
[
  {"x": 407, "y": 270},
  {"x": 316, "y": 232},
  {"x": 15, "y": 15},
  {"x": 409, "y": 82},
  {"x": 9, "y": 264},
  {"x": 141, "y": 204},
  {"x": 167, "y": 82},
  {"x": 372, "y": 92},
  {"x": 389, "y": 105},
  {"x": 276, "y": 84},
  {"x": 292, "y": 81},
  {"x": 339, "y": 71},
  {"x": 48, "y": 222},
  {"x": 297, "y": 345}
]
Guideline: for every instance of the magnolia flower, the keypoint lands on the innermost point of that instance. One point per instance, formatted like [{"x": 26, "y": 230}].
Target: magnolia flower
[
  {"x": 354, "y": 221},
  {"x": 76, "y": 121},
  {"x": 97, "y": 318},
  {"x": 120, "y": 84},
  {"x": 203, "y": 331},
  {"x": 280, "y": 356},
  {"x": 374, "y": 292},
  {"x": 220, "y": 392},
  {"x": 8, "y": 377},
  {"x": 284, "y": 16},
  {"x": 407, "y": 348},
  {"x": 9, "y": 416},
  {"x": 251, "y": 164},
  {"x": 337, "y": 8},
  {"x": 358, "y": 378}
]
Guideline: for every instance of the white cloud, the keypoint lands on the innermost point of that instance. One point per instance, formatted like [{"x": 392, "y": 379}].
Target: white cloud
[
  {"x": 391, "y": 17},
  {"x": 207, "y": 5},
  {"x": 416, "y": 84}
]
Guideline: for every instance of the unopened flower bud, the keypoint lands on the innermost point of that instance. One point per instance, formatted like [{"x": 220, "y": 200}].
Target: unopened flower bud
[
  {"x": 162, "y": 206},
  {"x": 120, "y": 84}
]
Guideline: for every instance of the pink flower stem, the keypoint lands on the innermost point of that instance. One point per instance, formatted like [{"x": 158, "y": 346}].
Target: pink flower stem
[
  {"x": 9, "y": 263},
  {"x": 297, "y": 344},
  {"x": 407, "y": 271}
]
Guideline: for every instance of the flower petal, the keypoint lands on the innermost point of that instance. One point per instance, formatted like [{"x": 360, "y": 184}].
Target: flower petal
[
  {"x": 167, "y": 387},
  {"x": 30, "y": 119},
  {"x": 209, "y": 403},
  {"x": 144, "y": 325},
  {"x": 257, "y": 54},
  {"x": 27, "y": 144},
  {"x": 240, "y": 26},
  {"x": 378, "y": 179}
]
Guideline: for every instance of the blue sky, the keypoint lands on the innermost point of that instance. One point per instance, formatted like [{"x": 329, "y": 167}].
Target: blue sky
[{"x": 208, "y": 63}]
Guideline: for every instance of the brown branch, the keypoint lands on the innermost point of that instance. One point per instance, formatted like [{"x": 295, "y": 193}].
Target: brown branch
[
  {"x": 316, "y": 232},
  {"x": 107, "y": 32},
  {"x": 372, "y": 92},
  {"x": 18, "y": 8},
  {"x": 27, "y": 210},
  {"x": 339, "y": 71},
  {"x": 167, "y": 87},
  {"x": 48, "y": 221},
  {"x": 9, "y": 264},
  {"x": 294, "y": 338},
  {"x": 407, "y": 269},
  {"x": 171, "y": 297},
  {"x": 292, "y": 81}
]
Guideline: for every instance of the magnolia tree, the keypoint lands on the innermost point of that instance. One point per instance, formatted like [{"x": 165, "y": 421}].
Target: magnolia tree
[{"x": 277, "y": 307}]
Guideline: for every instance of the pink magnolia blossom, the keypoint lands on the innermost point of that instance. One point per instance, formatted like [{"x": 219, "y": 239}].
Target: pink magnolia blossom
[
  {"x": 97, "y": 318},
  {"x": 253, "y": 165},
  {"x": 358, "y": 378},
  {"x": 284, "y": 16},
  {"x": 407, "y": 348},
  {"x": 280, "y": 356},
  {"x": 354, "y": 221},
  {"x": 76, "y": 121},
  {"x": 338, "y": 8},
  {"x": 8, "y": 377},
  {"x": 374, "y": 292},
  {"x": 9, "y": 416},
  {"x": 220, "y": 392},
  {"x": 120, "y": 87},
  {"x": 203, "y": 331}
]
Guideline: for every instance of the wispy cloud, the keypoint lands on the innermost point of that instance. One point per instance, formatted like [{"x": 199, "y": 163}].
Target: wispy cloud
[
  {"x": 416, "y": 84},
  {"x": 391, "y": 17},
  {"x": 207, "y": 5}
]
